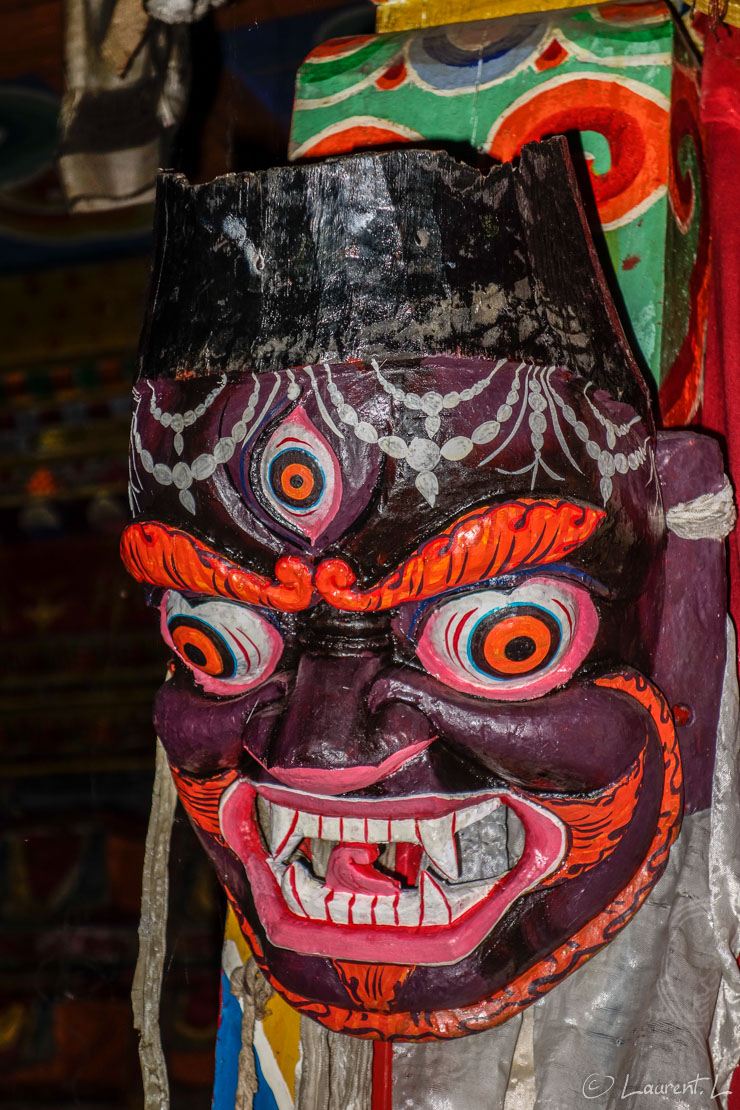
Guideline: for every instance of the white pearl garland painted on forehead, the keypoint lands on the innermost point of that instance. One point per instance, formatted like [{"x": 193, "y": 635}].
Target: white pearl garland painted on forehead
[
  {"x": 532, "y": 397},
  {"x": 535, "y": 394},
  {"x": 183, "y": 474},
  {"x": 180, "y": 420}
]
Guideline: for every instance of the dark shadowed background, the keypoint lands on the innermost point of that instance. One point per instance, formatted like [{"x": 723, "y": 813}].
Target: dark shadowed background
[{"x": 82, "y": 657}]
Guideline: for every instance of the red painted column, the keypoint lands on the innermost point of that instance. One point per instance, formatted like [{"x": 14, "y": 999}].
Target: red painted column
[
  {"x": 720, "y": 109},
  {"x": 382, "y": 1075}
]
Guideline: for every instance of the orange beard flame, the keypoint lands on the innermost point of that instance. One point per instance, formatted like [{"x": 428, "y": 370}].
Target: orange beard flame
[{"x": 372, "y": 986}]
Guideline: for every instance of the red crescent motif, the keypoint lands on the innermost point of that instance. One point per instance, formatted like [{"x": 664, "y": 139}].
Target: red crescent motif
[
  {"x": 338, "y": 48},
  {"x": 355, "y": 137},
  {"x": 635, "y": 127},
  {"x": 653, "y": 11}
]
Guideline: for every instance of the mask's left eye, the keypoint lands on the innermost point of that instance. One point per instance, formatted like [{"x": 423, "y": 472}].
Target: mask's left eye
[{"x": 229, "y": 647}]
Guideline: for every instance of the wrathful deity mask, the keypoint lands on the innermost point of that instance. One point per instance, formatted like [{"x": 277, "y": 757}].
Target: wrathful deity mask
[{"x": 395, "y": 494}]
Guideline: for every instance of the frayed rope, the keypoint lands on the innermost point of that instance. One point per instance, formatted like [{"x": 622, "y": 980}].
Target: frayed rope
[
  {"x": 709, "y": 517},
  {"x": 147, "y": 986},
  {"x": 254, "y": 993}
]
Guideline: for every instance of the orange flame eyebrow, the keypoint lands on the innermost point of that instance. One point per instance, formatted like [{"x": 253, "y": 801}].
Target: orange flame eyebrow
[
  {"x": 480, "y": 545},
  {"x": 162, "y": 556}
]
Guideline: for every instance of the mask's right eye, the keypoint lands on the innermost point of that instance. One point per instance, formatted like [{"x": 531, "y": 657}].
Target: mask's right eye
[
  {"x": 510, "y": 645},
  {"x": 229, "y": 647}
]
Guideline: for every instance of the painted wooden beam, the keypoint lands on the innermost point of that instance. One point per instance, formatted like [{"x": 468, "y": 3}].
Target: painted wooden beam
[{"x": 406, "y": 15}]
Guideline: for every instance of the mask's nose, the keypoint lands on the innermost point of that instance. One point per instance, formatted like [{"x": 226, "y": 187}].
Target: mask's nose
[{"x": 327, "y": 740}]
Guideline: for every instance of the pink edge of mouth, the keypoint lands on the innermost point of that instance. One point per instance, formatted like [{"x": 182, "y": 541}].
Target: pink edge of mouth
[
  {"x": 346, "y": 779},
  {"x": 544, "y": 847}
]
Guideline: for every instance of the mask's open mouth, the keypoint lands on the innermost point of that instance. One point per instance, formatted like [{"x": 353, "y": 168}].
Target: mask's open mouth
[{"x": 414, "y": 880}]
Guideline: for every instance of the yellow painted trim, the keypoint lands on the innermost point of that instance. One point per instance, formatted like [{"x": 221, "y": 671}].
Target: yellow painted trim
[
  {"x": 282, "y": 1026},
  {"x": 407, "y": 15},
  {"x": 732, "y": 17},
  {"x": 233, "y": 932}
]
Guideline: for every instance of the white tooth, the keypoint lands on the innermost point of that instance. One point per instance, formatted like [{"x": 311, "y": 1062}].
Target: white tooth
[
  {"x": 304, "y": 894},
  {"x": 435, "y": 906},
  {"x": 361, "y": 910},
  {"x": 328, "y": 828},
  {"x": 352, "y": 830},
  {"x": 312, "y": 893},
  {"x": 387, "y": 858},
  {"x": 321, "y": 850},
  {"x": 377, "y": 832},
  {"x": 409, "y": 907},
  {"x": 439, "y": 844},
  {"x": 338, "y": 906},
  {"x": 466, "y": 895},
  {"x": 465, "y": 817},
  {"x": 385, "y": 909},
  {"x": 285, "y": 831},
  {"x": 289, "y": 893},
  {"x": 404, "y": 832}
]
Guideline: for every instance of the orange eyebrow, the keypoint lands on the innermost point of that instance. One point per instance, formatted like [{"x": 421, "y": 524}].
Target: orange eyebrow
[
  {"x": 162, "y": 556},
  {"x": 480, "y": 545}
]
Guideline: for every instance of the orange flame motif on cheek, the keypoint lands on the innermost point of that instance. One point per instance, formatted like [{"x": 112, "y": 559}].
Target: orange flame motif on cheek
[
  {"x": 595, "y": 824},
  {"x": 201, "y": 797}
]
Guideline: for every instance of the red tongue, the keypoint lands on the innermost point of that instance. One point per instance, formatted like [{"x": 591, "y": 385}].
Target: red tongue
[{"x": 350, "y": 869}]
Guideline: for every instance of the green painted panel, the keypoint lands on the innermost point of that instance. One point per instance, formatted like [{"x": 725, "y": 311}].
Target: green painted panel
[{"x": 604, "y": 72}]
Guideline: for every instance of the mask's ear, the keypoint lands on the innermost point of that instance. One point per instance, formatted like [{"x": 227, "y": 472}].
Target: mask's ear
[{"x": 690, "y": 655}]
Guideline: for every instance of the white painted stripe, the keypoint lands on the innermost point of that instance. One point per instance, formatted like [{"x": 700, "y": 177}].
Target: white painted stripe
[
  {"x": 230, "y": 958},
  {"x": 271, "y": 1069}
]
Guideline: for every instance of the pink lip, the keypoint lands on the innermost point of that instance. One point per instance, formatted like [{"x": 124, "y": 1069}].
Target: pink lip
[
  {"x": 431, "y": 944},
  {"x": 345, "y": 779}
]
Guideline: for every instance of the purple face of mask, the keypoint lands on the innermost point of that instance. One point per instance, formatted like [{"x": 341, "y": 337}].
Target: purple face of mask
[{"x": 413, "y": 608}]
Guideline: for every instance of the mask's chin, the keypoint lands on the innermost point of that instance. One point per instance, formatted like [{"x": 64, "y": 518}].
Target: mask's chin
[{"x": 325, "y": 877}]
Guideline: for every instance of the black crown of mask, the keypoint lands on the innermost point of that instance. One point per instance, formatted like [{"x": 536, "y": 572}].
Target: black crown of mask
[{"x": 394, "y": 255}]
